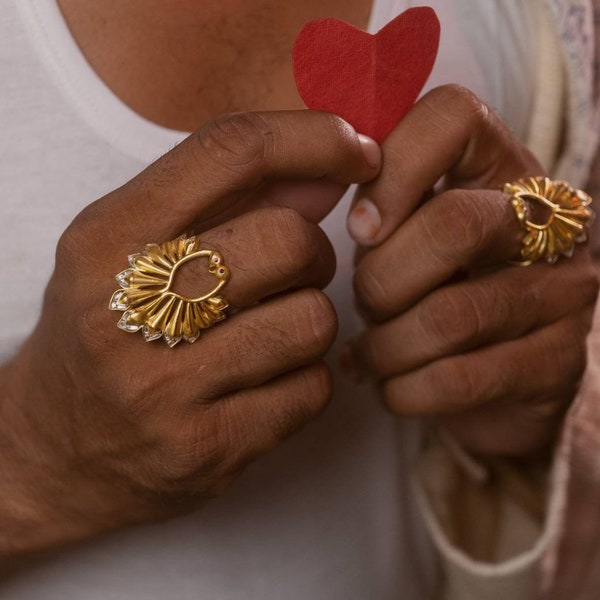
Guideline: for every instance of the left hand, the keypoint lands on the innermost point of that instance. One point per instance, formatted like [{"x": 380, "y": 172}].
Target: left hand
[{"x": 494, "y": 352}]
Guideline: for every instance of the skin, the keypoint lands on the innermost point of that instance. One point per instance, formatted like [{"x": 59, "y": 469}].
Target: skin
[
  {"x": 81, "y": 409},
  {"x": 196, "y": 65}
]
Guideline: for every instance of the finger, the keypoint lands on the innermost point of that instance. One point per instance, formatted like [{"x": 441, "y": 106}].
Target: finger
[
  {"x": 454, "y": 319},
  {"x": 256, "y": 420},
  {"x": 312, "y": 199},
  {"x": 453, "y": 232},
  {"x": 547, "y": 363},
  {"x": 210, "y": 171},
  {"x": 449, "y": 131},
  {"x": 267, "y": 252},
  {"x": 245, "y": 350},
  {"x": 261, "y": 343}
]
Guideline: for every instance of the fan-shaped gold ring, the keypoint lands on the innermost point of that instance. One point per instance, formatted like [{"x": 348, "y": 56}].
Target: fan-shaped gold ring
[
  {"x": 566, "y": 216},
  {"x": 149, "y": 302}
]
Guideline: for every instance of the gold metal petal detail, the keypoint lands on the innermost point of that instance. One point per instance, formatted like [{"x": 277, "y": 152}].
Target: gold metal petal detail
[
  {"x": 150, "y": 304},
  {"x": 568, "y": 217}
]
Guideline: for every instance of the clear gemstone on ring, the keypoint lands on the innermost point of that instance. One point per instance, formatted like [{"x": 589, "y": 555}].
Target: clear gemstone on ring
[
  {"x": 132, "y": 257},
  {"x": 151, "y": 335},
  {"x": 125, "y": 326},
  {"x": 123, "y": 278},
  {"x": 116, "y": 302},
  {"x": 171, "y": 341}
]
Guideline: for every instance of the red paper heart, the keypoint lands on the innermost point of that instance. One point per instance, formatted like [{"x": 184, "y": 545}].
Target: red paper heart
[{"x": 371, "y": 81}]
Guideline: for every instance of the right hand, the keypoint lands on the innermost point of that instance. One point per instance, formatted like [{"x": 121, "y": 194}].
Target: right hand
[{"x": 101, "y": 429}]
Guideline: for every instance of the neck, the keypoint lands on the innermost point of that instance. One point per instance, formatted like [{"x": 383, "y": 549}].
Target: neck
[{"x": 181, "y": 62}]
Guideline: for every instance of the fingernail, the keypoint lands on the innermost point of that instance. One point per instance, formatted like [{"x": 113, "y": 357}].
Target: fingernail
[
  {"x": 371, "y": 150},
  {"x": 364, "y": 221},
  {"x": 347, "y": 364}
]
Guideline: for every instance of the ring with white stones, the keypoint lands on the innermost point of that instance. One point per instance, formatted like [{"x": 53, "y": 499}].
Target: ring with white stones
[
  {"x": 565, "y": 218},
  {"x": 151, "y": 305}
]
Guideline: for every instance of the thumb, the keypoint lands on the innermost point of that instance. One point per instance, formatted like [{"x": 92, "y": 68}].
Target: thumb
[
  {"x": 449, "y": 132},
  {"x": 314, "y": 200},
  {"x": 226, "y": 163}
]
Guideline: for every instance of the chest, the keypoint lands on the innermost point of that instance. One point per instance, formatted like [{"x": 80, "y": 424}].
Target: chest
[{"x": 179, "y": 64}]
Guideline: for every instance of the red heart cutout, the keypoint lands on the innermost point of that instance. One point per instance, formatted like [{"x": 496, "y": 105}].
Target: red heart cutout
[{"x": 371, "y": 81}]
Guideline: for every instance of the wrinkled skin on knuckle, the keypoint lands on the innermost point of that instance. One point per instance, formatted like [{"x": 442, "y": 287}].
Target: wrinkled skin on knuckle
[
  {"x": 77, "y": 248},
  {"x": 457, "y": 105},
  {"x": 298, "y": 244},
  {"x": 474, "y": 124},
  {"x": 491, "y": 307},
  {"x": 456, "y": 384},
  {"x": 370, "y": 291},
  {"x": 197, "y": 457},
  {"x": 304, "y": 332},
  {"x": 452, "y": 317},
  {"x": 458, "y": 231},
  {"x": 72, "y": 253},
  {"x": 531, "y": 296},
  {"x": 316, "y": 321},
  {"x": 262, "y": 337},
  {"x": 239, "y": 144}
]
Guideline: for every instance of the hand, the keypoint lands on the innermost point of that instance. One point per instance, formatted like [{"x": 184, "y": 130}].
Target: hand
[
  {"x": 493, "y": 352},
  {"x": 100, "y": 429}
]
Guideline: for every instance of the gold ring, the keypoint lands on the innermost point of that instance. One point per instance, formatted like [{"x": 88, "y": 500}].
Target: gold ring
[
  {"x": 150, "y": 303},
  {"x": 563, "y": 212}
]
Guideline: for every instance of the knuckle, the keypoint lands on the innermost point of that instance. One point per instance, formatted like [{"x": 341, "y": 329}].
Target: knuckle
[
  {"x": 240, "y": 143},
  {"x": 301, "y": 329},
  {"x": 453, "y": 317},
  {"x": 458, "y": 230},
  {"x": 199, "y": 451},
  {"x": 370, "y": 290},
  {"x": 457, "y": 99},
  {"x": 70, "y": 250},
  {"x": 315, "y": 321},
  {"x": 291, "y": 238},
  {"x": 77, "y": 247},
  {"x": 530, "y": 297},
  {"x": 455, "y": 385}
]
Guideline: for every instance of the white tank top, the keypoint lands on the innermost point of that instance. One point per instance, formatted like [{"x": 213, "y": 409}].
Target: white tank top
[{"x": 330, "y": 514}]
